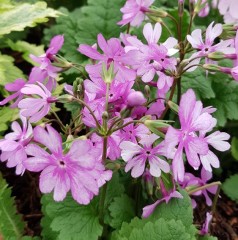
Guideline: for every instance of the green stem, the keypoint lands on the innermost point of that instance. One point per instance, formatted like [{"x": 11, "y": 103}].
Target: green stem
[
  {"x": 90, "y": 110},
  {"x": 126, "y": 124},
  {"x": 214, "y": 203},
  {"x": 59, "y": 121},
  {"x": 204, "y": 187}
]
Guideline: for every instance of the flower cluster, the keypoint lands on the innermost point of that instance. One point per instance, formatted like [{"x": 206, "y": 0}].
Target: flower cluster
[{"x": 122, "y": 111}]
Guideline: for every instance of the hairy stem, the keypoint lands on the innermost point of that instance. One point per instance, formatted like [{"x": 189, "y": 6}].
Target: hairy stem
[{"x": 204, "y": 187}]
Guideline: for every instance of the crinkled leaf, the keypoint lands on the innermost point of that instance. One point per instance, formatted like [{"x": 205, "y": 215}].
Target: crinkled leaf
[
  {"x": 26, "y": 49},
  {"x": 7, "y": 115},
  {"x": 11, "y": 225},
  {"x": 122, "y": 209},
  {"x": 20, "y": 16},
  {"x": 201, "y": 85},
  {"x": 177, "y": 209},
  {"x": 230, "y": 187},
  {"x": 226, "y": 99},
  {"x": 69, "y": 220},
  {"x": 161, "y": 230},
  {"x": 8, "y": 72}
]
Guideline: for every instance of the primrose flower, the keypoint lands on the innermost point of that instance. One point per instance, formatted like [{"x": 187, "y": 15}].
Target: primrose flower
[
  {"x": 46, "y": 69},
  {"x": 134, "y": 12},
  {"x": 152, "y": 59},
  {"x": 229, "y": 9},
  {"x": 36, "y": 108},
  {"x": 137, "y": 155},
  {"x": 208, "y": 46},
  {"x": 112, "y": 53},
  {"x": 14, "y": 144},
  {"x": 205, "y": 226},
  {"x": 193, "y": 118},
  {"x": 77, "y": 170}
]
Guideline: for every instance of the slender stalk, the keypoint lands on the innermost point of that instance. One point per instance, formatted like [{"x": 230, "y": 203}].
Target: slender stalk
[
  {"x": 126, "y": 124},
  {"x": 204, "y": 187},
  {"x": 90, "y": 110},
  {"x": 170, "y": 98},
  {"x": 214, "y": 203},
  {"x": 59, "y": 121}
]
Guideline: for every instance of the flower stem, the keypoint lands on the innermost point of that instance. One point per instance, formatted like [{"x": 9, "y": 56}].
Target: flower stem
[{"x": 204, "y": 187}]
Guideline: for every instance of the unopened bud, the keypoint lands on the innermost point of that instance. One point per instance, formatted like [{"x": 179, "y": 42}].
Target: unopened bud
[
  {"x": 105, "y": 115},
  {"x": 78, "y": 86},
  {"x": 61, "y": 62},
  {"x": 180, "y": 7},
  {"x": 211, "y": 67},
  {"x": 173, "y": 106},
  {"x": 216, "y": 56},
  {"x": 157, "y": 12},
  {"x": 135, "y": 98},
  {"x": 108, "y": 75},
  {"x": 65, "y": 98}
]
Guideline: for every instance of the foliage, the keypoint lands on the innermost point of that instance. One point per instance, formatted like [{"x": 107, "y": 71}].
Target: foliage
[
  {"x": 230, "y": 187},
  {"x": 11, "y": 225},
  {"x": 234, "y": 147},
  {"x": 69, "y": 220},
  {"x": 19, "y": 16}
]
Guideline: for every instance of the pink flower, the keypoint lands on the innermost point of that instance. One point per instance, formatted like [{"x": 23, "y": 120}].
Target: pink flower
[
  {"x": 152, "y": 59},
  {"x": 217, "y": 140},
  {"x": 135, "y": 98},
  {"x": 133, "y": 132},
  {"x": 36, "y": 108},
  {"x": 46, "y": 69},
  {"x": 208, "y": 46},
  {"x": 78, "y": 170},
  {"x": 112, "y": 53},
  {"x": 14, "y": 144},
  {"x": 205, "y": 226},
  {"x": 193, "y": 118},
  {"x": 229, "y": 9},
  {"x": 148, "y": 210},
  {"x": 137, "y": 155},
  {"x": 134, "y": 12},
  {"x": 14, "y": 87}
]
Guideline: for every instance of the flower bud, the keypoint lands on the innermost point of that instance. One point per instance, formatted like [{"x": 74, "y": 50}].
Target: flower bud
[
  {"x": 211, "y": 67},
  {"x": 61, "y": 62},
  {"x": 180, "y": 7},
  {"x": 157, "y": 12},
  {"x": 108, "y": 74},
  {"x": 216, "y": 56},
  {"x": 173, "y": 106},
  {"x": 65, "y": 98},
  {"x": 105, "y": 115},
  {"x": 135, "y": 98}
]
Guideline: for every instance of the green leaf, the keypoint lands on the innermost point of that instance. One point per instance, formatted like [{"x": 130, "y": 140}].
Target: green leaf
[
  {"x": 230, "y": 187},
  {"x": 161, "y": 230},
  {"x": 122, "y": 209},
  {"x": 7, "y": 115},
  {"x": 27, "y": 49},
  {"x": 226, "y": 99},
  {"x": 114, "y": 189},
  {"x": 234, "y": 147},
  {"x": 69, "y": 220},
  {"x": 84, "y": 24},
  {"x": 100, "y": 16},
  {"x": 11, "y": 225},
  {"x": 201, "y": 85},
  {"x": 8, "y": 72},
  {"x": 19, "y": 16},
  {"x": 177, "y": 209},
  {"x": 207, "y": 238}
]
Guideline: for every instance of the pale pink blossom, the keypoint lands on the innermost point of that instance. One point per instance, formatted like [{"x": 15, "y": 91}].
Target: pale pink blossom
[
  {"x": 36, "y": 107},
  {"x": 14, "y": 144},
  {"x": 137, "y": 155},
  {"x": 134, "y": 12},
  {"x": 78, "y": 170}
]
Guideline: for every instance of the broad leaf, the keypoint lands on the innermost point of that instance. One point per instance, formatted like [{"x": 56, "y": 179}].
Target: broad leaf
[
  {"x": 7, "y": 115},
  {"x": 11, "y": 225},
  {"x": 26, "y": 49},
  {"x": 230, "y": 187},
  {"x": 122, "y": 209},
  {"x": 69, "y": 220},
  {"x": 19, "y": 16},
  {"x": 8, "y": 72}
]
